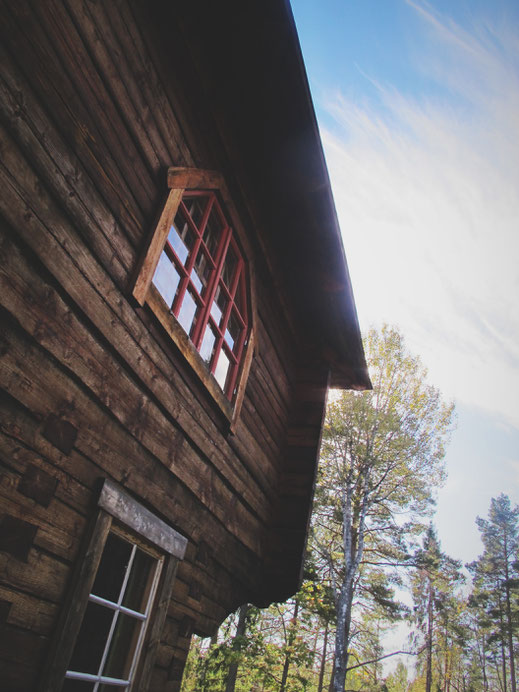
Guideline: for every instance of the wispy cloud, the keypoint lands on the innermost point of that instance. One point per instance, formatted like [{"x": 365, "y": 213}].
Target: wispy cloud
[{"x": 427, "y": 192}]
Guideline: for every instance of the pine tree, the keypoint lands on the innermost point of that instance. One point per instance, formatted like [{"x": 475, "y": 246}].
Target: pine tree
[
  {"x": 496, "y": 579},
  {"x": 433, "y": 584}
]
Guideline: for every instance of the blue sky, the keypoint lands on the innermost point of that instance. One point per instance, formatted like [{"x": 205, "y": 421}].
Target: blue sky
[{"x": 418, "y": 106}]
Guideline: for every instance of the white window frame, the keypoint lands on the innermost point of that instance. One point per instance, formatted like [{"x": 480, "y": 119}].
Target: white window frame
[{"x": 117, "y": 508}]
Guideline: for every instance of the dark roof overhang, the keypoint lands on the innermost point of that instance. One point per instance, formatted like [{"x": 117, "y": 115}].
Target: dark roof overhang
[{"x": 249, "y": 60}]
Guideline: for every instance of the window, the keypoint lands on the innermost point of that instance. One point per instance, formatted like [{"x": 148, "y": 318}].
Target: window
[
  {"x": 128, "y": 565},
  {"x": 196, "y": 276},
  {"x": 116, "y": 617}
]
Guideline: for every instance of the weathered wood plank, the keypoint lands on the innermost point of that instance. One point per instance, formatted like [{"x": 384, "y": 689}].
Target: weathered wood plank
[
  {"x": 123, "y": 507},
  {"x": 28, "y": 612},
  {"x": 59, "y": 36},
  {"x": 41, "y": 576},
  {"x": 38, "y": 59},
  {"x": 74, "y": 345},
  {"x": 59, "y": 527},
  {"x": 100, "y": 439},
  {"x": 31, "y": 388},
  {"x": 21, "y": 444},
  {"x": 144, "y": 74},
  {"x": 108, "y": 319},
  {"x": 92, "y": 25},
  {"x": 63, "y": 173},
  {"x": 179, "y": 79},
  {"x": 151, "y": 486},
  {"x": 21, "y": 656}
]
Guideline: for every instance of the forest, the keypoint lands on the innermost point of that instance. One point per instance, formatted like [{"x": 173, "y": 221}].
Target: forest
[{"x": 374, "y": 563}]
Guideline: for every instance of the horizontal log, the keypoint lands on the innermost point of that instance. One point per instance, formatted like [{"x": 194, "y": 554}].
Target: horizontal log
[
  {"x": 28, "y": 612},
  {"x": 41, "y": 576},
  {"x": 116, "y": 331},
  {"x": 67, "y": 339},
  {"x": 72, "y": 115},
  {"x": 59, "y": 527},
  {"x": 100, "y": 439}
]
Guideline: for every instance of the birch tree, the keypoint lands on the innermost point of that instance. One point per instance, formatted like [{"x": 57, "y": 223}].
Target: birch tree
[{"x": 381, "y": 459}]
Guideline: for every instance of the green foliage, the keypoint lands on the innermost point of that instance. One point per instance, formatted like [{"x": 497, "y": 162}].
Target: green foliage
[
  {"x": 381, "y": 459},
  {"x": 495, "y": 598},
  {"x": 398, "y": 680}
]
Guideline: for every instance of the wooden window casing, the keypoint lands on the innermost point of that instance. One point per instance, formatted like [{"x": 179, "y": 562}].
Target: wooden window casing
[
  {"x": 121, "y": 516},
  {"x": 196, "y": 276}
]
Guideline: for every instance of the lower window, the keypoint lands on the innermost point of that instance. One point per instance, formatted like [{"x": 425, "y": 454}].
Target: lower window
[
  {"x": 117, "y": 614},
  {"x": 127, "y": 567}
]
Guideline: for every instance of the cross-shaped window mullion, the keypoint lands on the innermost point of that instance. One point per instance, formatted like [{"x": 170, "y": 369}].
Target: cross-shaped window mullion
[{"x": 115, "y": 616}]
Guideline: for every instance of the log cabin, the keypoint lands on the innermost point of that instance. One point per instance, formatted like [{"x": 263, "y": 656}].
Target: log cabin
[{"x": 175, "y": 303}]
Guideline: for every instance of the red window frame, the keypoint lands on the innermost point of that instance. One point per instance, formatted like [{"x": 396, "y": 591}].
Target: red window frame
[
  {"x": 234, "y": 290},
  {"x": 201, "y": 286}
]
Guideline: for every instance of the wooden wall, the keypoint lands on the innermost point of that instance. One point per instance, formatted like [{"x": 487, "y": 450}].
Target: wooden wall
[{"x": 91, "y": 386}]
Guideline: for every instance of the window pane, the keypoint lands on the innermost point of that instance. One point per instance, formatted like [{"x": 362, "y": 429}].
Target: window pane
[
  {"x": 187, "y": 312},
  {"x": 219, "y": 305},
  {"x": 233, "y": 331},
  {"x": 213, "y": 232},
  {"x": 138, "y": 586},
  {"x": 222, "y": 368},
  {"x": 196, "y": 207},
  {"x": 112, "y": 568},
  {"x": 229, "y": 267},
  {"x": 122, "y": 647},
  {"x": 181, "y": 239},
  {"x": 77, "y": 686},
  {"x": 201, "y": 272},
  {"x": 166, "y": 279},
  {"x": 91, "y": 640},
  {"x": 206, "y": 349}
]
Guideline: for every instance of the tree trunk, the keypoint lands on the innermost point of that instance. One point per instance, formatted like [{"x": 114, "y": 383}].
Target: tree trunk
[
  {"x": 240, "y": 631},
  {"x": 290, "y": 640},
  {"x": 509, "y": 622},
  {"x": 342, "y": 638},
  {"x": 332, "y": 677},
  {"x": 428, "y": 674},
  {"x": 503, "y": 664},
  {"x": 323, "y": 659}
]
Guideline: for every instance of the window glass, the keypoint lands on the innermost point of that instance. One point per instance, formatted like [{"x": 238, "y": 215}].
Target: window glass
[
  {"x": 181, "y": 242},
  {"x": 112, "y": 568},
  {"x": 77, "y": 686},
  {"x": 233, "y": 331},
  {"x": 201, "y": 272},
  {"x": 219, "y": 305},
  {"x": 229, "y": 267},
  {"x": 166, "y": 279},
  {"x": 91, "y": 640},
  {"x": 222, "y": 368},
  {"x": 206, "y": 349},
  {"x": 187, "y": 312},
  {"x": 213, "y": 232},
  {"x": 117, "y": 610},
  {"x": 122, "y": 646},
  {"x": 137, "y": 589},
  {"x": 195, "y": 206}
]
